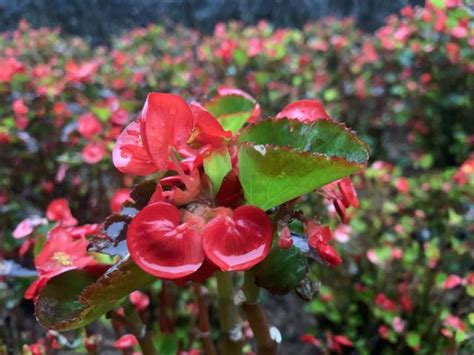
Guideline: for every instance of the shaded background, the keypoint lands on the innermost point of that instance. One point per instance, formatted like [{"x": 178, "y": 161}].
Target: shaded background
[{"x": 98, "y": 20}]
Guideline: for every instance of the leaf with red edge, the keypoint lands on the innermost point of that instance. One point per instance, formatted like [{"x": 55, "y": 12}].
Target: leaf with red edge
[
  {"x": 238, "y": 242},
  {"x": 304, "y": 111},
  {"x": 129, "y": 156},
  {"x": 217, "y": 165},
  {"x": 284, "y": 159},
  {"x": 162, "y": 246},
  {"x": 233, "y": 110},
  {"x": 76, "y": 298},
  {"x": 166, "y": 123}
]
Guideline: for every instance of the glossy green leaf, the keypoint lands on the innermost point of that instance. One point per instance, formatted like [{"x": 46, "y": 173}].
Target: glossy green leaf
[
  {"x": 76, "y": 298},
  {"x": 232, "y": 111},
  {"x": 282, "y": 270},
  {"x": 323, "y": 137},
  {"x": 217, "y": 165},
  {"x": 281, "y": 160}
]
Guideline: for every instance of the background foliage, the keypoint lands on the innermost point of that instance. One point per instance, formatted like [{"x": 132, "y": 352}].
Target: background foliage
[{"x": 407, "y": 89}]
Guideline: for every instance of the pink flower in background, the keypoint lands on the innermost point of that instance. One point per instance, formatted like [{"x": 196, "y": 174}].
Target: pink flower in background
[
  {"x": 398, "y": 324},
  {"x": 26, "y": 227},
  {"x": 140, "y": 300},
  {"x": 58, "y": 211},
  {"x": 402, "y": 185},
  {"x": 118, "y": 198},
  {"x": 452, "y": 281},
  {"x": 93, "y": 152},
  {"x": 88, "y": 125},
  {"x": 342, "y": 233}
]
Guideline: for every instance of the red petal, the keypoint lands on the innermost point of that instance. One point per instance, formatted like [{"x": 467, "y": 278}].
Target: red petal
[
  {"x": 206, "y": 270},
  {"x": 348, "y": 192},
  {"x": 329, "y": 254},
  {"x": 240, "y": 242},
  {"x": 126, "y": 341},
  {"x": 304, "y": 111},
  {"x": 166, "y": 122},
  {"x": 161, "y": 246},
  {"x": 208, "y": 129},
  {"x": 129, "y": 155},
  {"x": 58, "y": 211},
  {"x": 230, "y": 194},
  {"x": 341, "y": 211}
]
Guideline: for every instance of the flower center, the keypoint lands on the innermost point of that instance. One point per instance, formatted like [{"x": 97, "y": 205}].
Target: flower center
[{"x": 62, "y": 258}]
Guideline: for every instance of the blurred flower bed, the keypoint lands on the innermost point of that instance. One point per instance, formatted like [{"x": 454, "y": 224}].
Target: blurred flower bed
[{"x": 406, "y": 283}]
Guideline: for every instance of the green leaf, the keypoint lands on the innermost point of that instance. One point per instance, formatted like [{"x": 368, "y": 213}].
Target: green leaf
[
  {"x": 232, "y": 111},
  {"x": 281, "y": 160},
  {"x": 413, "y": 339},
  {"x": 282, "y": 270},
  {"x": 76, "y": 298},
  {"x": 216, "y": 166}
]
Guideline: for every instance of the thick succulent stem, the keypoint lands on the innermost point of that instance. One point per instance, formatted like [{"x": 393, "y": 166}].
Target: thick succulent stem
[
  {"x": 231, "y": 341},
  {"x": 256, "y": 317},
  {"x": 203, "y": 319}
]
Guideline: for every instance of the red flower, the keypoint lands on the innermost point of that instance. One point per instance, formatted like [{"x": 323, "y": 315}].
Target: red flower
[
  {"x": 402, "y": 185},
  {"x": 452, "y": 281},
  {"x": 140, "y": 300},
  {"x": 162, "y": 246},
  {"x": 343, "y": 195},
  {"x": 309, "y": 339},
  {"x": 81, "y": 73},
  {"x": 21, "y": 111},
  {"x": 126, "y": 341},
  {"x": 383, "y": 331},
  {"x": 305, "y": 111},
  {"x": 318, "y": 239},
  {"x": 337, "y": 342},
  {"x": 207, "y": 130},
  {"x": 119, "y": 116},
  {"x": 58, "y": 211},
  {"x": 118, "y": 198},
  {"x": 9, "y": 67},
  {"x": 93, "y": 152},
  {"x": 165, "y": 125},
  {"x": 62, "y": 252},
  {"x": 88, "y": 125},
  {"x": 238, "y": 242},
  {"x": 285, "y": 241},
  {"x": 385, "y": 303},
  {"x": 129, "y": 155}
]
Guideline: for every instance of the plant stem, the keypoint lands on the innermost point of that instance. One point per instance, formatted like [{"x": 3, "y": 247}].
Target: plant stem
[
  {"x": 256, "y": 317},
  {"x": 203, "y": 319},
  {"x": 232, "y": 337}
]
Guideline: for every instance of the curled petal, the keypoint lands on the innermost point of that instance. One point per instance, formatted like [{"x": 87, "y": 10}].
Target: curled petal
[
  {"x": 161, "y": 246},
  {"x": 305, "y": 111},
  {"x": 166, "y": 123},
  {"x": 129, "y": 155},
  {"x": 207, "y": 129},
  {"x": 238, "y": 242},
  {"x": 348, "y": 192}
]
